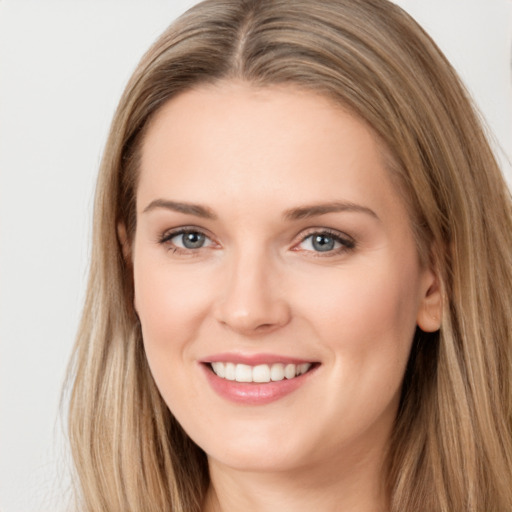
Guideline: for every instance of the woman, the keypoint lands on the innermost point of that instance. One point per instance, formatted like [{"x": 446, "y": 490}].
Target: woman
[{"x": 301, "y": 274}]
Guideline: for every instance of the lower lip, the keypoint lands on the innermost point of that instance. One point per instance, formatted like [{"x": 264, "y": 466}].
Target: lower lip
[{"x": 252, "y": 393}]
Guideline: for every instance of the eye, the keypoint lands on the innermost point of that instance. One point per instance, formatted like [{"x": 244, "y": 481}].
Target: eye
[
  {"x": 186, "y": 240},
  {"x": 326, "y": 241},
  {"x": 190, "y": 240}
]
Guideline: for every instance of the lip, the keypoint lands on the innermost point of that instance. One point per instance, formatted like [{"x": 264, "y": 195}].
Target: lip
[
  {"x": 253, "y": 393},
  {"x": 252, "y": 359}
]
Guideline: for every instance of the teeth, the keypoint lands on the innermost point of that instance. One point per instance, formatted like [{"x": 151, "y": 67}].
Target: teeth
[
  {"x": 243, "y": 373},
  {"x": 277, "y": 372},
  {"x": 219, "y": 369},
  {"x": 259, "y": 373},
  {"x": 229, "y": 371},
  {"x": 289, "y": 371}
]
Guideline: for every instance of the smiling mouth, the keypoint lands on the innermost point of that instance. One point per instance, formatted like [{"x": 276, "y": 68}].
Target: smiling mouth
[{"x": 260, "y": 373}]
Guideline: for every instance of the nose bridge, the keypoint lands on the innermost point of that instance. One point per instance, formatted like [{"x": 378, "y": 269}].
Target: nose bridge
[{"x": 252, "y": 299}]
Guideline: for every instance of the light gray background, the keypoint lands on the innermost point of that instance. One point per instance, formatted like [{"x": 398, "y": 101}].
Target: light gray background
[{"x": 63, "y": 65}]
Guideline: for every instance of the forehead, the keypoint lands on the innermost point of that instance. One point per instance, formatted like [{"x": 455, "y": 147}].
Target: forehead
[{"x": 281, "y": 143}]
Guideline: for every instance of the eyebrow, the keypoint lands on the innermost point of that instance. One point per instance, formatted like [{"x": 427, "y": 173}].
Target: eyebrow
[
  {"x": 298, "y": 213},
  {"x": 187, "y": 208},
  {"x": 305, "y": 212}
]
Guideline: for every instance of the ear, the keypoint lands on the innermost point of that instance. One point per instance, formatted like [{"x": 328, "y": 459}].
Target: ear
[
  {"x": 122, "y": 236},
  {"x": 431, "y": 305},
  {"x": 125, "y": 244}
]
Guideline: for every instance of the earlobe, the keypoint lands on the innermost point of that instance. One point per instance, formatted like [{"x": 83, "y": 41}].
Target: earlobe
[{"x": 431, "y": 306}]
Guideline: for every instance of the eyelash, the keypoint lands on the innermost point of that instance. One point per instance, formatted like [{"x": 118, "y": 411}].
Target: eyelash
[
  {"x": 166, "y": 238},
  {"x": 346, "y": 243}
]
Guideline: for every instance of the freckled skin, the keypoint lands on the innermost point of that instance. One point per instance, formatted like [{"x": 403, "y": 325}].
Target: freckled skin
[{"x": 259, "y": 286}]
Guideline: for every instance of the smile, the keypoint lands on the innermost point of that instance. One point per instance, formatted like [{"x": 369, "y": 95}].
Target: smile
[
  {"x": 260, "y": 373},
  {"x": 265, "y": 380}
]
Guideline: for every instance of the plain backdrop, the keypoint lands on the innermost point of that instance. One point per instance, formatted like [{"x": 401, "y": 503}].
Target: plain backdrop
[{"x": 63, "y": 65}]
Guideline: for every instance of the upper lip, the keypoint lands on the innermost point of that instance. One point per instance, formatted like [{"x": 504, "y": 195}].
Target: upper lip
[{"x": 254, "y": 359}]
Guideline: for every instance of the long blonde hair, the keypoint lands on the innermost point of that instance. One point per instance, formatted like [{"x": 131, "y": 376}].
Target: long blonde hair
[{"x": 451, "y": 449}]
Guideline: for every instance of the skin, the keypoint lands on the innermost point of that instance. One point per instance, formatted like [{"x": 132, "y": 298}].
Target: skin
[{"x": 258, "y": 285}]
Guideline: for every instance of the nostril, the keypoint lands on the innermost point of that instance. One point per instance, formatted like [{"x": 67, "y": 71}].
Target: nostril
[{"x": 264, "y": 327}]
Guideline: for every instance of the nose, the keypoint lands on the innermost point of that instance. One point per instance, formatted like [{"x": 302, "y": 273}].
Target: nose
[{"x": 252, "y": 301}]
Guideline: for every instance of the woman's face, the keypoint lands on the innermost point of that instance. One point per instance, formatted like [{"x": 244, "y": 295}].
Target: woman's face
[{"x": 272, "y": 245}]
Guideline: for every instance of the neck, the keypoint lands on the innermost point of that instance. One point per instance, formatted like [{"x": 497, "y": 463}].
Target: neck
[{"x": 358, "y": 488}]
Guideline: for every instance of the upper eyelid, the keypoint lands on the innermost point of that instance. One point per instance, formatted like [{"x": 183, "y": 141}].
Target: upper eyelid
[
  {"x": 170, "y": 233},
  {"x": 327, "y": 231}
]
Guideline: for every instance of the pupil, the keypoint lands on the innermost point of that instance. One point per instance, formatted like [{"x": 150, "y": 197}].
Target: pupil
[
  {"x": 323, "y": 243},
  {"x": 193, "y": 240}
]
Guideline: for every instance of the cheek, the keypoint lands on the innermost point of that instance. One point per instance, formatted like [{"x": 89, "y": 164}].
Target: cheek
[
  {"x": 163, "y": 290},
  {"x": 365, "y": 319},
  {"x": 366, "y": 315},
  {"x": 171, "y": 305}
]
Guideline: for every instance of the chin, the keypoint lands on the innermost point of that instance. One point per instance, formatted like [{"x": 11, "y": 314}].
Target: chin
[
  {"x": 273, "y": 451},
  {"x": 254, "y": 460}
]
